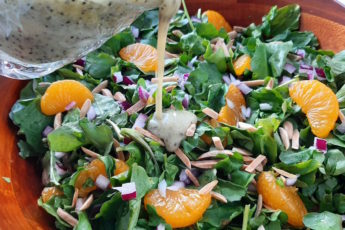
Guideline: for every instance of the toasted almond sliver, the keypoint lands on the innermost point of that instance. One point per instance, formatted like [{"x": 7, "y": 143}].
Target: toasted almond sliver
[
  {"x": 208, "y": 164},
  {"x": 90, "y": 152},
  {"x": 285, "y": 138},
  {"x": 101, "y": 86},
  {"x": 191, "y": 130},
  {"x": 219, "y": 197},
  {"x": 260, "y": 168},
  {"x": 232, "y": 34},
  {"x": 289, "y": 128},
  {"x": 259, "y": 206},
  {"x": 254, "y": 83},
  {"x": 284, "y": 173},
  {"x": 211, "y": 113},
  {"x": 247, "y": 159},
  {"x": 208, "y": 187},
  {"x": 150, "y": 135},
  {"x": 78, "y": 67},
  {"x": 295, "y": 140},
  {"x": 177, "y": 33},
  {"x": 242, "y": 151},
  {"x": 270, "y": 84},
  {"x": 255, "y": 163},
  {"x": 169, "y": 55},
  {"x": 67, "y": 217},
  {"x": 136, "y": 107},
  {"x": 75, "y": 197},
  {"x": 192, "y": 178},
  {"x": 165, "y": 79},
  {"x": 180, "y": 154},
  {"x": 57, "y": 120},
  {"x": 170, "y": 88},
  {"x": 107, "y": 93},
  {"x": 214, "y": 153},
  {"x": 120, "y": 154},
  {"x": 217, "y": 143},
  {"x": 246, "y": 126},
  {"x": 87, "y": 203},
  {"x": 85, "y": 108},
  {"x": 118, "y": 96},
  {"x": 44, "y": 84},
  {"x": 239, "y": 29}
]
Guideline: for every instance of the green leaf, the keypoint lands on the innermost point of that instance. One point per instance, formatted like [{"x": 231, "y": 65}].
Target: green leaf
[
  {"x": 302, "y": 168},
  {"x": 118, "y": 41},
  {"x": 230, "y": 190},
  {"x": 105, "y": 107},
  {"x": 49, "y": 208},
  {"x": 206, "y": 30},
  {"x": 287, "y": 18},
  {"x": 98, "y": 65},
  {"x": 83, "y": 222},
  {"x": 110, "y": 208},
  {"x": 205, "y": 74},
  {"x": 65, "y": 139},
  {"x": 143, "y": 183},
  {"x": 192, "y": 44},
  {"x": 323, "y": 221},
  {"x": 337, "y": 63},
  {"x": 291, "y": 157},
  {"x": 277, "y": 56},
  {"x": 259, "y": 63},
  {"x": 216, "y": 99},
  {"x": 148, "y": 20},
  {"x": 335, "y": 162},
  {"x": 135, "y": 155},
  {"x": 109, "y": 163},
  {"x": 218, "y": 58}
]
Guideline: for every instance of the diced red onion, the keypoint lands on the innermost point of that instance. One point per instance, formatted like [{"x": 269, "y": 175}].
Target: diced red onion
[
  {"x": 320, "y": 144},
  {"x": 70, "y": 106},
  {"x": 341, "y": 128},
  {"x": 234, "y": 80},
  {"x": 248, "y": 112},
  {"x": 265, "y": 106},
  {"x": 162, "y": 188},
  {"x": 191, "y": 63},
  {"x": 290, "y": 68},
  {"x": 305, "y": 66},
  {"x": 290, "y": 181},
  {"x": 177, "y": 185},
  {"x": 127, "y": 140},
  {"x": 125, "y": 105},
  {"x": 128, "y": 191},
  {"x": 91, "y": 114},
  {"x": 140, "y": 121},
  {"x": 284, "y": 80},
  {"x": 301, "y": 53},
  {"x": 79, "y": 204},
  {"x": 128, "y": 81},
  {"x": 161, "y": 227},
  {"x": 320, "y": 73},
  {"x": 135, "y": 31},
  {"x": 102, "y": 182},
  {"x": 310, "y": 73},
  {"x": 244, "y": 88},
  {"x": 195, "y": 19},
  {"x": 245, "y": 111},
  {"x": 143, "y": 94},
  {"x": 183, "y": 80},
  {"x": 80, "y": 62},
  {"x": 230, "y": 104},
  {"x": 184, "y": 178},
  {"x": 185, "y": 101},
  {"x": 117, "y": 77},
  {"x": 227, "y": 79},
  {"x": 60, "y": 170},
  {"x": 59, "y": 155},
  {"x": 47, "y": 130}
]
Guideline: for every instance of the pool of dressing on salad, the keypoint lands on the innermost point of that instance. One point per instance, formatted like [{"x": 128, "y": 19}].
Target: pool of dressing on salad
[{"x": 171, "y": 125}]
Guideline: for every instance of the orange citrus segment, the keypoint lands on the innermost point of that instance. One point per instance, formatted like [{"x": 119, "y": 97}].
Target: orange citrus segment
[
  {"x": 121, "y": 167},
  {"x": 217, "y": 20},
  {"x": 319, "y": 103},
  {"x": 180, "y": 208},
  {"x": 50, "y": 192},
  {"x": 241, "y": 64},
  {"x": 61, "y": 93},
  {"x": 142, "y": 56},
  {"x": 214, "y": 124},
  {"x": 231, "y": 113},
  {"x": 281, "y": 198}
]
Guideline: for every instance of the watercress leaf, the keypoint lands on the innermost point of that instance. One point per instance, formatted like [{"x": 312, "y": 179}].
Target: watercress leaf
[
  {"x": 66, "y": 138},
  {"x": 206, "y": 30},
  {"x": 232, "y": 191},
  {"x": 118, "y": 41},
  {"x": 143, "y": 183},
  {"x": 49, "y": 208},
  {"x": 148, "y": 20},
  {"x": 277, "y": 56},
  {"x": 218, "y": 58},
  {"x": 286, "y": 18},
  {"x": 301, "y": 168},
  {"x": 259, "y": 63},
  {"x": 98, "y": 65},
  {"x": 322, "y": 221},
  {"x": 192, "y": 44},
  {"x": 135, "y": 155},
  {"x": 216, "y": 99},
  {"x": 25, "y": 150},
  {"x": 290, "y": 157},
  {"x": 109, "y": 163},
  {"x": 335, "y": 162},
  {"x": 83, "y": 222},
  {"x": 337, "y": 63},
  {"x": 242, "y": 178},
  {"x": 109, "y": 208},
  {"x": 105, "y": 107},
  {"x": 205, "y": 73},
  {"x": 339, "y": 202}
]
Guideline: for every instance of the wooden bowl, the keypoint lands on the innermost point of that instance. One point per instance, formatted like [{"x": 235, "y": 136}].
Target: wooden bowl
[{"x": 18, "y": 199}]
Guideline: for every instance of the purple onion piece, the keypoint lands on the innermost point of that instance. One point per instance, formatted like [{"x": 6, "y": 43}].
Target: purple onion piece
[
  {"x": 290, "y": 68},
  {"x": 195, "y": 19},
  {"x": 143, "y": 94},
  {"x": 234, "y": 80},
  {"x": 117, "y": 77},
  {"x": 59, "y": 155},
  {"x": 227, "y": 79},
  {"x": 162, "y": 188},
  {"x": 125, "y": 105},
  {"x": 184, "y": 178},
  {"x": 47, "y": 130},
  {"x": 177, "y": 185},
  {"x": 320, "y": 72},
  {"x": 91, "y": 114},
  {"x": 284, "y": 80},
  {"x": 341, "y": 128},
  {"x": 305, "y": 66},
  {"x": 135, "y": 31},
  {"x": 185, "y": 101},
  {"x": 160, "y": 227},
  {"x": 290, "y": 181},
  {"x": 128, "y": 191},
  {"x": 61, "y": 171},
  {"x": 102, "y": 182},
  {"x": 191, "y": 63},
  {"x": 80, "y": 62},
  {"x": 310, "y": 73},
  {"x": 140, "y": 121},
  {"x": 128, "y": 81},
  {"x": 183, "y": 80},
  {"x": 244, "y": 88},
  {"x": 301, "y": 53},
  {"x": 320, "y": 144},
  {"x": 71, "y": 106}
]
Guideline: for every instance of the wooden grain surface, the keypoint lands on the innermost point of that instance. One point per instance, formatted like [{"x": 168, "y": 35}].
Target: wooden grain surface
[{"x": 18, "y": 199}]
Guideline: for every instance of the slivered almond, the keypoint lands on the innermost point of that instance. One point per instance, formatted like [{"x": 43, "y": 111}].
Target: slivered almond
[
  {"x": 169, "y": 55},
  {"x": 107, "y": 93},
  {"x": 217, "y": 143},
  {"x": 255, "y": 163},
  {"x": 118, "y": 96},
  {"x": 259, "y": 206},
  {"x": 246, "y": 126},
  {"x": 116, "y": 129},
  {"x": 165, "y": 79},
  {"x": 254, "y": 83},
  {"x": 120, "y": 154},
  {"x": 285, "y": 138},
  {"x": 295, "y": 140},
  {"x": 170, "y": 88},
  {"x": 214, "y": 153},
  {"x": 57, "y": 120},
  {"x": 270, "y": 84},
  {"x": 85, "y": 108},
  {"x": 219, "y": 197},
  {"x": 101, "y": 86},
  {"x": 248, "y": 159},
  {"x": 239, "y": 29},
  {"x": 78, "y": 67},
  {"x": 149, "y": 135},
  {"x": 177, "y": 33},
  {"x": 75, "y": 197},
  {"x": 90, "y": 152},
  {"x": 136, "y": 107},
  {"x": 284, "y": 173},
  {"x": 232, "y": 34},
  {"x": 87, "y": 203},
  {"x": 67, "y": 217},
  {"x": 260, "y": 168},
  {"x": 211, "y": 113},
  {"x": 208, "y": 164},
  {"x": 192, "y": 178},
  {"x": 242, "y": 151},
  {"x": 289, "y": 128},
  {"x": 44, "y": 84},
  {"x": 341, "y": 116},
  {"x": 191, "y": 130},
  {"x": 180, "y": 154},
  {"x": 208, "y": 187}
]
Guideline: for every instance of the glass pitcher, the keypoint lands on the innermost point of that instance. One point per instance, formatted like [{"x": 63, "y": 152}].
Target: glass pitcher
[{"x": 39, "y": 36}]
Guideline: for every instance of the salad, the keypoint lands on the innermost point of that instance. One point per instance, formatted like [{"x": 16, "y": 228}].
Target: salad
[{"x": 265, "y": 151}]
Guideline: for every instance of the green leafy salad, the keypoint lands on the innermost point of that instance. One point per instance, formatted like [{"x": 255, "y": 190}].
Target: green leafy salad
[{"x": 267, "y": 151}]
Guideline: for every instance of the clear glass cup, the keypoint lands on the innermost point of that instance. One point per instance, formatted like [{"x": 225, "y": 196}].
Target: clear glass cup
[{"x": 38, "y": 37}]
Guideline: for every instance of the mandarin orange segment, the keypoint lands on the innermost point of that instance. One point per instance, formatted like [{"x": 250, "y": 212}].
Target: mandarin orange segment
[
  {"x": 217, "y": 20},
  {"x": 281, "y": 198},
  {"x": 50, "y": 192},
  {"x": 143, "y": 56},
  {"x": 91, "y": 171},
  {"x": 231, "y": 113},
  {"x": 61, "y": 93},
  {"x": 214, "y": 123},
  {"x": 121, "y": 167},
  {"x": 180, "y": 208},
  {"x": 319, "y": 103},
  {"x": 241, "y": 64}
]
